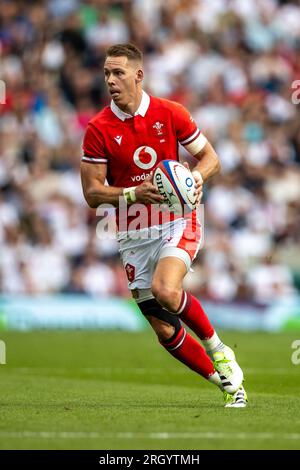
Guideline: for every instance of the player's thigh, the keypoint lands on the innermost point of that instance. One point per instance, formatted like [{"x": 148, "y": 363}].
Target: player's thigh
[
  {"x": 185, "y": 240},
  {"x": 181, "y": 243},
  {"x": 169, "y": 274}
]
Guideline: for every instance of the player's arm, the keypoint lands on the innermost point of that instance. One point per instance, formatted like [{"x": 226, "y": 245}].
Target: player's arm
[
  {"x": 93, "y": 170},
  {"x": 208, "y": 165},
  {"x": 197, "y": 145},
  {"x": 96, "y": 192},
  {"x": 208, "y": 162},
  {"x": 93, "y": 185}
]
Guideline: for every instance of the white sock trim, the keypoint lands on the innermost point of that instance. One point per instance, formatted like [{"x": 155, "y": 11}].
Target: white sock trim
[
  {"x": 212, "y": 343},
  {"x": 178, "y": 345},
  {"x": 215, "y": 379},
  {"x": 183, "y": 304}
]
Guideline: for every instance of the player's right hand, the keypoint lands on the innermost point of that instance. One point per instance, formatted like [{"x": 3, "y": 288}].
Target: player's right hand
[{"x": 147, "y": 193}]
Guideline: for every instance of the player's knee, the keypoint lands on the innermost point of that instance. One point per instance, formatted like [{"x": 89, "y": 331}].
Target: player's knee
[
  {"x": 165, "y": 324},
  {"x": 168, "y": 297}
]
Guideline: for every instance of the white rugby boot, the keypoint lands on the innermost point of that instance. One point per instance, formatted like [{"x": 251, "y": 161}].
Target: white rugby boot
[
  {"x": 230, "y": 373},
  {"x": 238, "y": 400}
]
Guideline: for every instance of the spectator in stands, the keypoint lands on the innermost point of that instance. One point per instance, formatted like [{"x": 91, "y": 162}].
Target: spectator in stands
[{"x": 231, "y": 62}]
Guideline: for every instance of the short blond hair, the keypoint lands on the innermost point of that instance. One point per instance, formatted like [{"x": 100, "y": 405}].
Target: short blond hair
[{"x": 127, "y": 50}]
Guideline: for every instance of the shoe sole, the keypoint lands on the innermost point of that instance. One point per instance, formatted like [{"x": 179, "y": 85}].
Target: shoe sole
[{"x": 238, "y": 405}]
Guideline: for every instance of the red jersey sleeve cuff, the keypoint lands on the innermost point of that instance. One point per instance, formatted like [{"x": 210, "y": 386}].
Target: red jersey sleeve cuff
[
  {"x": 195, "y": 143},
  {"x": 191, "y": 138},
  {"x": 87, "y": 159}
]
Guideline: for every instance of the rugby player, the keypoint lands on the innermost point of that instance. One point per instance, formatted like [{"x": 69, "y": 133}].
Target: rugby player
[{"x": 122, "y": 145}]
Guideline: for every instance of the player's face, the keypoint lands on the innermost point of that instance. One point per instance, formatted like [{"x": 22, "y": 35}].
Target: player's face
[{"x": 122, "y": 77}]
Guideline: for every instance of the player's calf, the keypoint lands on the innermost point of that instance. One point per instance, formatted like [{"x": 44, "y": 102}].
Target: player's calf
[
  {"x": 176, "y": 340},
  {"x": 163, "y": 330},
  {"x": 193, "y": 315}
]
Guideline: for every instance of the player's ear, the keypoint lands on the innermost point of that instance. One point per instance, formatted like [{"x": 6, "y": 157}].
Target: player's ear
[{"x": 139, "y": 75}]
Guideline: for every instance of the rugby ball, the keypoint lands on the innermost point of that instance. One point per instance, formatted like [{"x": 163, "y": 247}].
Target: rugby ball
[{"x": 177, "y": 186}]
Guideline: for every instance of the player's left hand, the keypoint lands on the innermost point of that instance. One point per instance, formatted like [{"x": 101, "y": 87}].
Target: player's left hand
[{"x": 199, "y": 182}]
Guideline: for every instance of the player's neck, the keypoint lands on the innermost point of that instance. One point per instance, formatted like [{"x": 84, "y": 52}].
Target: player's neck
[{"x": 133, "y": 105}]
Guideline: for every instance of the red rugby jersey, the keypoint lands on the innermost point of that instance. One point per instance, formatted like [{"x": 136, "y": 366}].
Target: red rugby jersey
[{"x": 131, "y": 146}]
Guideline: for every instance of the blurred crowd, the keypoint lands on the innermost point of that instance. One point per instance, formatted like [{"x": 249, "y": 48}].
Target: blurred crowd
[{"x": 230, "y": 62}]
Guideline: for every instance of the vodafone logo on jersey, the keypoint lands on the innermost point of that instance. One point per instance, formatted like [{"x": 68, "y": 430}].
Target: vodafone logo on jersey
[{"x": 145, "y": 157}]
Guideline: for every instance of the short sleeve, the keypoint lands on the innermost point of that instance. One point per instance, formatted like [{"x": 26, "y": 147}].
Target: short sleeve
[
  {"x": 93, "y": 148},
  {"x": 187, "y": 131}
]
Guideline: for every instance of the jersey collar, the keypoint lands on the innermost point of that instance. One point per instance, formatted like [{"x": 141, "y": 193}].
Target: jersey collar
[{"x": 142, "y": 109}]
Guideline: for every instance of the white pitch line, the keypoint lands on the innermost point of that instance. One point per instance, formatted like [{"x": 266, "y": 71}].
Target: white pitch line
[
  {"x": 141, "y": 370},
  {"x": 151, "y": 435}
]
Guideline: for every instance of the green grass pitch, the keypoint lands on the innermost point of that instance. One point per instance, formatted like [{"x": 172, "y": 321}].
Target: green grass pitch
[{"x": 116, "y": 390}]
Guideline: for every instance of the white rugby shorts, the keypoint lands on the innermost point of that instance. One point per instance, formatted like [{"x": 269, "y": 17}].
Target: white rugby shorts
[{"x": 141, "y": 250}]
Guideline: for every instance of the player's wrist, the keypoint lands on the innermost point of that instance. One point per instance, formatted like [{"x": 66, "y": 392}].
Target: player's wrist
[
  {"x": 198, "y": 175},
  {"x": 129, "y": 195}
]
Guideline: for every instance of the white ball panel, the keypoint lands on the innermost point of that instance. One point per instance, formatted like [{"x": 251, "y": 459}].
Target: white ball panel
[{"x": 183, "y": 183}]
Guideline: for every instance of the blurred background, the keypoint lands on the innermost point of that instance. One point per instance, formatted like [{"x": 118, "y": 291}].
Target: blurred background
[{"x": 232, "y": 64}]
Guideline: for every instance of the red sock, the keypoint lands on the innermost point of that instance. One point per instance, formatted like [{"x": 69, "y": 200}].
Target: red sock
[
  {"x": 188, "y": 351},
  {"x": 193, "y": 315}
]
